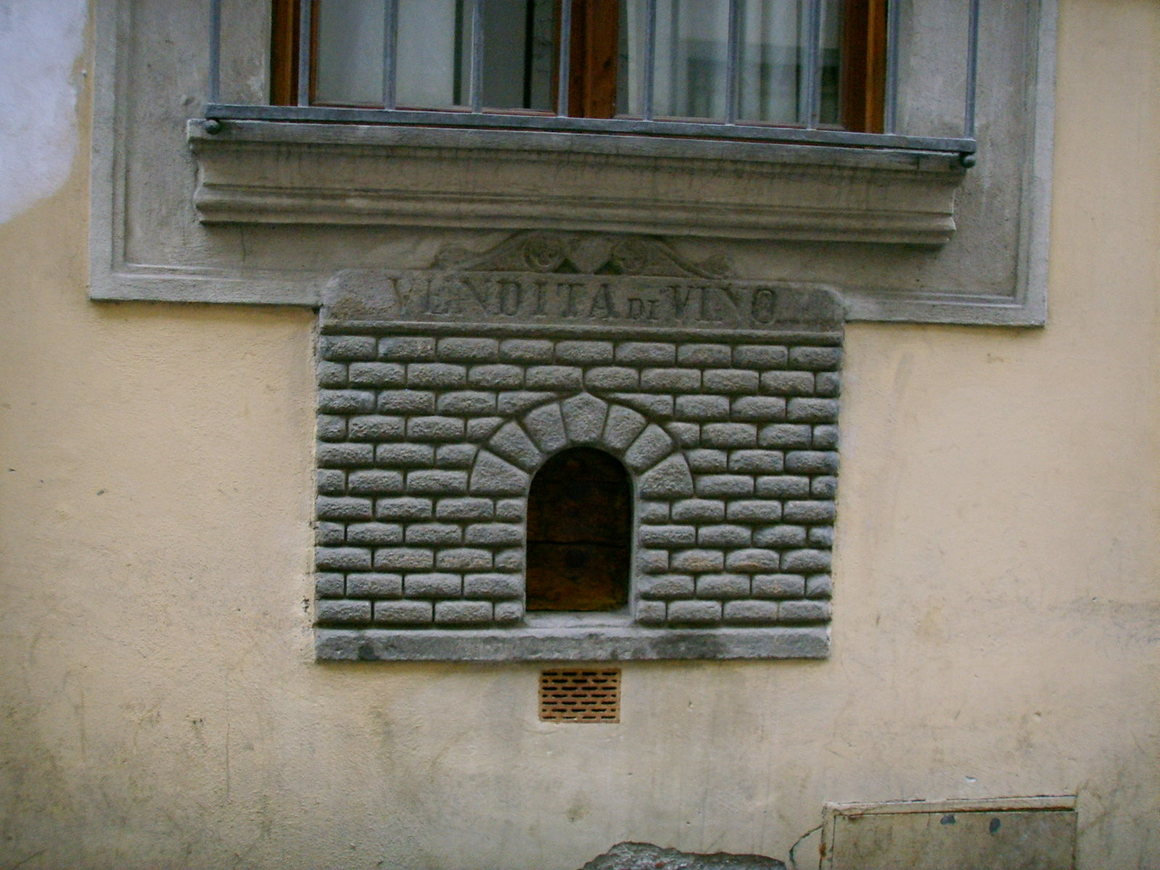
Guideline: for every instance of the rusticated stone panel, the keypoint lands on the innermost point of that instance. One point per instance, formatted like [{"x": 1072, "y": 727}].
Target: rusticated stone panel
[{"x": 436, "y": 410}]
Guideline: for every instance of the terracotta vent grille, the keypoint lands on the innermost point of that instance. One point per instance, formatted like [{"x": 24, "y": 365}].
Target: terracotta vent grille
[{"x": 580, "y": 695}]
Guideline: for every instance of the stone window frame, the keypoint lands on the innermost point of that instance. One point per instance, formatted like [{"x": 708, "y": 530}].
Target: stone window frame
[{"x": 157, "y": 234}]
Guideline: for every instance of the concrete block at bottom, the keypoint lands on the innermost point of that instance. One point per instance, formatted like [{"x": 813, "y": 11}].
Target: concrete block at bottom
[{"x": 646, "y": 856}]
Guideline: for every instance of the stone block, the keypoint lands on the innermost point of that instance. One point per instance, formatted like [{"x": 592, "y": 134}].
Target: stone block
[
  {"x": 510, "y": 560},
  {"x": 804, "y": 611},
  {"x": 501, "y": 376},
  {"x": 726, "y": 435},
  {"x": 786, "y": 435},
  {"x": 377, "y": 427},
  {"x": 778, "y": 585},
  {"x": 479, "y": 429},
  {"x": 753, "y": 561},
  {"x": 455, "y": 455},
  {"x": 780, "y": 537},
  {"x": 546, "y": 426},
  {"x": 462, "y": 612},
  {"x": 464, "y": 508},
  {"x": 753, "y": 511},
  {"x": 434, "y": 534},
  {"x": 760, "y": 356},
  {"x": 329, "y": 507},
  {"x": 702, "y": 407},
  {"x": 806, "y": 561},
  {"x": 330, "y": 481},
  {"x": 706, "y": 461},
  {"x": 342, "y": 559},
  {"x": 375, "y": 585},
  {"x": 345, "y": 401},
  {"x": 759, "y": 409},
  {"x": 787, "y": 383},
  {"x": 511, "y": 510},
  {"x": 403, "y": 612},
  {"x": 825, "y": 437},
  {"x": 724, "y": 535},
  {"x": 782, "y": 486},
  {"x": 652, "y": 613},
  {"x": 828, "y": 384},
  {"x": 492, "y": 586},
  {"x": 332, "y": 375},
  {"x": 553, "y": 378},
  {"x": 811, "y": 462},
  {"x": 405, "y": 402},
  {"x": 698, "y": 510},
  {"x": 809, "y": 511},
  {"x": 329, "y": 427},
  {"x": 650, "y": 447},
  {"x": 507, "y": 612},
  {"x": 705, "y": 355},
  {"x": 404, "y": 559},
  {"x": 724, "y": 485},
  {"x": 370, "y": 481},
  {"x": 344, "y": 455},
  {"x": 464, "y": 559},
  {"x": 495, "y": 476},
  {"x": 330, "y": 534},
  {"x": 646, "y": 353},
  {"x": 516, "y": 402},
  {"x": 437, "y": 482},
  {"x": 756, "y": 461},
  {"x": 649, "y": 404},
  {"x": 819, "y": 586},
  {"x": 671, "y": 536},
  {"x": 330, "y": 584},
  {"x": 688, "y": 435},
  {"x": 407, "y": 348},
  {"x": 405, "y": 455},
  {"x": 374, "y": 534},
  {"x": 377, "y": 374},
  {"x": 666, "y": 586},
  {"x": 436, "y": 376},
  {"x": 403, "y": 508},
  {"x": 815, "y": 358},
  {"x": 526, "y": 350},
  {"x": 584, "y": 418},
  {"x": 622, "y": 427},
  {"x": 584, "y": 352},
  {"x": 652, "y": 561},
  {"x": 612, "y": 378},
  {"x": 347, "y": 347},
  {"x": 343, "y": 612},
  {"x": 730, "y": 381},
  {"x": 821, "y": 537},
  {"x": 435, "y": 429},
  {"x": 750, "y": 612},
  {"x": 694, "y": 612},
  {"x": 433, "y": 584},
  {"x": 467, "y": 402},
  {"x": 461, "y": 349},
  {"x": 698, "y": 561},
  {"x": 494, "y": 534},
  {"x": 670, "y": 380},
  {"x": 800, "y": 410},
  {"x": 513, "y": 444}
]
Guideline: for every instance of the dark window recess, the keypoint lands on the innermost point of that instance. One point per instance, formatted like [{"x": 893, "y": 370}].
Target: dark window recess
[{"x": 579, "y": 533}]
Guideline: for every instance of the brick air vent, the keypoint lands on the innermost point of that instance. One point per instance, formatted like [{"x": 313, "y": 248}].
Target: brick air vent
[{"x": 580, "y": 695}]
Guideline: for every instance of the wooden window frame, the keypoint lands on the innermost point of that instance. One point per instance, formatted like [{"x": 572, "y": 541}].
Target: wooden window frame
[{"x": 594, "y": 52}]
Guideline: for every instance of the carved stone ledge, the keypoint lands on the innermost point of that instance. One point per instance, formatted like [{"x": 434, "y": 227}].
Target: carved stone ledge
[{"x": 293, "y": 173}]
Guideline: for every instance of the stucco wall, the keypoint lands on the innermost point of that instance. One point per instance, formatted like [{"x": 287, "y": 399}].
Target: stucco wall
[{"x": 997, "y": 576}]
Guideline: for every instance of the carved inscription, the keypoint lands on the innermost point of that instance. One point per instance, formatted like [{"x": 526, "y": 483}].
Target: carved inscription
[{"x": 573, "y": 299}]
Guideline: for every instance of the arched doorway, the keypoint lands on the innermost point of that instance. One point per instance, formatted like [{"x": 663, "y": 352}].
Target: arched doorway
[{"x": 579, "y": 533}]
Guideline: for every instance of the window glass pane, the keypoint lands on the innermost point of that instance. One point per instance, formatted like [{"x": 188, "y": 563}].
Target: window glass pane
[
  {"x": 771, "y": 60},
  {"x": 349, "y": 63},
  {"x": 692, "y": 41},
  {"x": 429, "y": 67},
  {"x": 831, "y": 61},
  {"x": 518, "y": 54},
  {"x": 630, "y": 70}
]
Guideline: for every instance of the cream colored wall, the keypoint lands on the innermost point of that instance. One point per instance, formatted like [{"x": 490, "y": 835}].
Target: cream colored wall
[{"x": 997, "y": 625}]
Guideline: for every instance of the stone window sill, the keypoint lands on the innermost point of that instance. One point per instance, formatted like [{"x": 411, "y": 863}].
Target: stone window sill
[{"x": 264, "y": 172}]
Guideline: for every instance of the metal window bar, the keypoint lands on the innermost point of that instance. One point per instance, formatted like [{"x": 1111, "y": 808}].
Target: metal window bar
[
  {"x": 564, "y": 59},
  {"x": 477, "y": 118}
]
